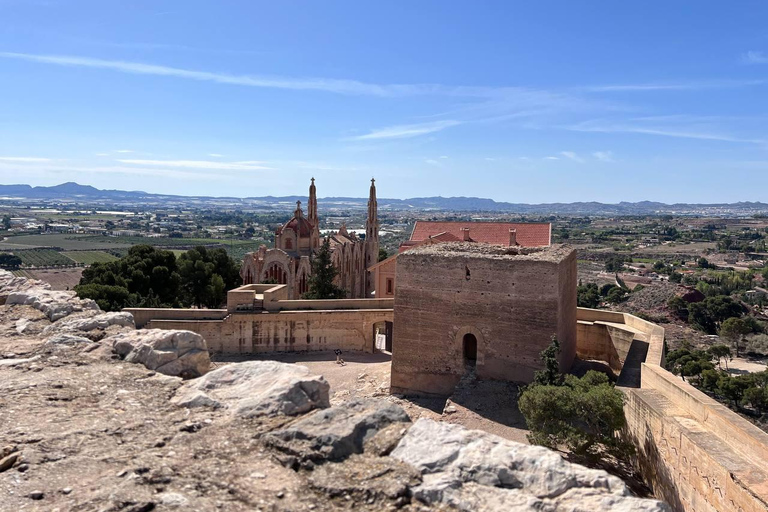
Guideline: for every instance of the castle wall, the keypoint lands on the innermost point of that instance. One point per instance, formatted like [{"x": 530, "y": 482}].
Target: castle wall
[
  {"x": 695, "y": 453},
  {"x": 277, "y": 331},
  {"x": 511, "y": 305}
]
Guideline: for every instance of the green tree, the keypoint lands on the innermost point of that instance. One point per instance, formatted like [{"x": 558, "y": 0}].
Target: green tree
[
  {"x": 206, "y": 275},
  {"x": 550, "y": 375},
  {"x": 587, "y": 296},
  {"x": 6, "y": 222},
  {"x": 757, "y": 398},
  {"x": 9, "y": 261},
  {"x": 732, "y": 388},
  {"x": 383, "y": 254},
  {"x": 709, "y": 379},
  {"x": 614, "y": 263},
  {"x": 710, "y": 313},
  {"x": 616, "y": 295},
  {"x": 321, "y": 285},
  {"x": 734, "y": 330},
  {"x": 679, "y": 307},
  {"x": 720, "y": 352},
  {"x": 144, "y": 271},
  {"x": 584, "y": 414}
]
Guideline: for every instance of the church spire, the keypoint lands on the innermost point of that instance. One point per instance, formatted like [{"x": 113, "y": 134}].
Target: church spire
[
  {"x": 372, "y": 224},
  {"x": 371, "y": 238},
  {"x": 312, "y": 208}
]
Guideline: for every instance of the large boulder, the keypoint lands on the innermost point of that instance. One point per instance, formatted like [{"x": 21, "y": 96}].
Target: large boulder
[
  {"x": 474, "y": 470},
  {"x": 336, "y": 433},
  {"x": 257, "y": 388},
  {"x": 89, "y": 323},
  {"x": 178, "y": 353}
]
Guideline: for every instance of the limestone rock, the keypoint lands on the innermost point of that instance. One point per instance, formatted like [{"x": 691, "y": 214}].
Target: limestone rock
[
  {"x": 336, "y": 433},
  {"x": 67, "y": 339},
  {"x": 473, "y": 470},
  {"x": 89, "y": 323},
  {"x": 257, "y": 388},
  {"x": 178, "y": 353},
  {"x": 10, "y": 283},
  {"x": 54, "y": 304}
]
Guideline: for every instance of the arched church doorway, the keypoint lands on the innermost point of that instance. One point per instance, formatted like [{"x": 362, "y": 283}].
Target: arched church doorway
[{"x": 470, "y": 349}]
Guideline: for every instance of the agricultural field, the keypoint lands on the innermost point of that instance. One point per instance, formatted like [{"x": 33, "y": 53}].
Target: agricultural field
[
  {"x": 64, "y": 241},
  {"x": 89, "y": 257},
  {"x": 59, "y": 279},
  {"x": 43, "y": 258}
]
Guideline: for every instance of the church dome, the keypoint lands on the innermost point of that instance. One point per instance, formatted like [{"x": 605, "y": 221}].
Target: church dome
[{"x": 300, "y": 225}]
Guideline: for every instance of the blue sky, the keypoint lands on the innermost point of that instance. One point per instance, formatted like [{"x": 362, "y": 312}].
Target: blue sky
[{"x": 542, "y": 101}]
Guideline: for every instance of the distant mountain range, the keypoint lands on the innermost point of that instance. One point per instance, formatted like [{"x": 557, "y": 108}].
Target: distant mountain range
[{"x": 84, "y": 194}]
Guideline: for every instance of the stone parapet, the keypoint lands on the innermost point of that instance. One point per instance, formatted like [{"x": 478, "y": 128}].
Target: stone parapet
[{"x": 697, "y": 455}]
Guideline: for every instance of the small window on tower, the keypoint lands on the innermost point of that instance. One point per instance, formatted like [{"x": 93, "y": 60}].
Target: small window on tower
[
  {"x": 289, "y": 244},
  {"x": 390, "y": 286}
]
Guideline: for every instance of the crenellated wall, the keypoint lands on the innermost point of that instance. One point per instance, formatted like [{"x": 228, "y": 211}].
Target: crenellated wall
[{"x": 697, "y": 455}]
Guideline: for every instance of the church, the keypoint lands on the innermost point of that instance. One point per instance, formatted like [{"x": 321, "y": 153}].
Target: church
[{"x": 297, "y": 241}]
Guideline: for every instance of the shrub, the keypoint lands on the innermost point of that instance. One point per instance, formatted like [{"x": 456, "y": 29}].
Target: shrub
[{"x": 583, "y": 414}]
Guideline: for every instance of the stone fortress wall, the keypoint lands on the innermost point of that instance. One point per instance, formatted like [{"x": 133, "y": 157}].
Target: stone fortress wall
[
  {"x": 697, "y": 455},
  {"x": 259, "y": 319}
]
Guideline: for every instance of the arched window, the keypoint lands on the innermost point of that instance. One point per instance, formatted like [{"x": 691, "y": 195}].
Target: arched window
[{"x": 289, "y": 244}]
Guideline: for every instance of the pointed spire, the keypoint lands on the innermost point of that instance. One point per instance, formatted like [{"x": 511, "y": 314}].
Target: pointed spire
[
  {"x": 297, "y": 212},
  {"x": 372, "y": 224},
  {"x": 312, "y": 208}
]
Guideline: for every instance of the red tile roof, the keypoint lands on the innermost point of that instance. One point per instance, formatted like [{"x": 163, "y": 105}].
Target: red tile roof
[{"x": 529, "y": 234}]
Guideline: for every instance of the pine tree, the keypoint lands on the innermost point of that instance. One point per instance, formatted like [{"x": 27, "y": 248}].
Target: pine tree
[
  {"x": 550, "y": 375},
  {"x": 321, "y": 284}
]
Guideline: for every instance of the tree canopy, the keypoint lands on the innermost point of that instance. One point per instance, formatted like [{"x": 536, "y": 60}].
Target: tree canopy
[
  {"x": 206, "y": 275},
  {"x": 150, "y": 277},
  {"x": 583, "y": 414},
  {"x": 321, "y": 285}
]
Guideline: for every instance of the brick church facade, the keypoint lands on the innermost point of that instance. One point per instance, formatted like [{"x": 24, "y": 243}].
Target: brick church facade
[{"x": 298, "y": 240}]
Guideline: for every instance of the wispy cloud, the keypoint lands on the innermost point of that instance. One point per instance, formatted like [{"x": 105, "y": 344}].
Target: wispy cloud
[
  {"x": 102, "y": 154},
  {"x": 215, "y": 155},
  {"x": 551, "y": 158},
  {"x": 491, "y": 159},
  {"x": 200, "y": 164},
  {"x": 753, "y": 57},
  {"x": 432, "y": 161},
  {"x": 406, "y": 130},
  {"x": 23, "y": 159},
  {"x": 572, "y": 156},
  {"x": 124, "y": 151},
  {"x": 675, "y": 86},
  {"x": 603, "y": 156},
  {"x": 318, "y": 84},
  {"x": 692, "y": 129}
]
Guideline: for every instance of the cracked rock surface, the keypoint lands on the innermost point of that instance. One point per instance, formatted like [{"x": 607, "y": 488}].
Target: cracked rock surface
[{"x": 473, "y": 470}]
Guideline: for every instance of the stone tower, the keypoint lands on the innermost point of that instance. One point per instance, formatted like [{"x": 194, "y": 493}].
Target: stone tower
[{"x": 371, "y": 238}]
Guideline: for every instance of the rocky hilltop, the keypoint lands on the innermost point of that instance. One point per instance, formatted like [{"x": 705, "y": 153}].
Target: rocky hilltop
[{"x": 98, "y": 416}]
